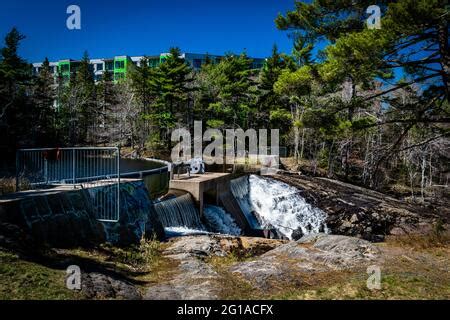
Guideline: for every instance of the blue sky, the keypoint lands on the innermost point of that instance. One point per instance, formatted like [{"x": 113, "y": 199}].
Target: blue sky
[{"x": 137, "y": 27}]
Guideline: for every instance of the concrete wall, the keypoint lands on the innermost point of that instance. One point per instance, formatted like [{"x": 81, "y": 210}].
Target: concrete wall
[
  {"x": 57, "y": 218},
  {"x": 137, "y": 217},
  {"x": 65, "y": 217}
]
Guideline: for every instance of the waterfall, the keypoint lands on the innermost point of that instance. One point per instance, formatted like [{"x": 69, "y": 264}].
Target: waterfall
[
  {"x": 265, "y": 202},
  {"x": 219, "y": 221},
  {"x": 179, "y": 216},
  {"x": 277, "y": 205},
  {"x": 179, "y": 212},
  {"x": 240, "y": 188}
]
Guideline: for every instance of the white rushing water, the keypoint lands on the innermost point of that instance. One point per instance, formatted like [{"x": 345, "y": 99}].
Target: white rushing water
[
  {"x": 277, "y": 204},
  {"x": 183, "y": 231},
  {"x": 220, "y": 221},
  {"x": 179, "y": 212},
  {"x": 179, "y": 216},
  {"x": 240, "y": 188}
]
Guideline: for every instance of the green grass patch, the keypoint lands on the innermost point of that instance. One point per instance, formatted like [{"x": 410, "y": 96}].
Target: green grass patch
[{"x": 23, "y": 280}]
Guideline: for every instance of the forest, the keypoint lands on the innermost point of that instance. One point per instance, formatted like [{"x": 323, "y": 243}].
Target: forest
[{"x": 367, "y": 106}]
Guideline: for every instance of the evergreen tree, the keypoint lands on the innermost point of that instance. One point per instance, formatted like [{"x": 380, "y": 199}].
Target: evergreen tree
[
  {"x": 44, "y": 96},
  {"x": 360, "y": 63},
  {"x": 87, "y": 107},
  {"x": 296, "y": 88},
  {"x": 271, "y": 110},
  {"x": 106, "y": 120},
  {"x": 14, "y": 71},
  {"x": 236, "y": 96},
  {"x": 206, "y": 94},
  {"x": 78, "y": 111},
  {"x": 15, "y": 113},
  {"x": 145, "y": 83},
  {"x": 413, "y": 38},
  {"x": 171, "y": 86}
]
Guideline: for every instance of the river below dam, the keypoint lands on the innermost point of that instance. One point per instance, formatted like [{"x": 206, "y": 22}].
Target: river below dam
[{"x": 265, "y": 202}]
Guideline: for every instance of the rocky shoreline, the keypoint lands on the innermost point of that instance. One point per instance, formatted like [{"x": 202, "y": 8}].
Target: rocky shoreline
[
  {"x": 364, "y": 213},
  {"x": 201, "y": 267},
  {"x": 282, "y": 262},
  {"x": 230, "y": 267}
]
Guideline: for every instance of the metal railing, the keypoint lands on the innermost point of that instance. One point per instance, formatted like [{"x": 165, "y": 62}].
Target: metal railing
[{"x": 96, "y": 169}]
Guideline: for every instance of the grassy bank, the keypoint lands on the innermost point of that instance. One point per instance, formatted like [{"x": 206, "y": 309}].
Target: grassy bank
[
  {"x": 43, "y": 277},
  {"x": 25, "y": 280},
  {"x": 411, "y": 268}
]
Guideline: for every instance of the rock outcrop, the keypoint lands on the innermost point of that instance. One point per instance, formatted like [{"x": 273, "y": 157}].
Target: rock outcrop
[
  {"x": 272, "y": 262},
  {"x": 364, "y": 213},
  {"x": 311, "y": 254},
  {"x": 99, "y": 286},
  {"x": 221, "y": 245},
  {"x": 195, "y": 279},
  {"x": 14, "y": 239}
]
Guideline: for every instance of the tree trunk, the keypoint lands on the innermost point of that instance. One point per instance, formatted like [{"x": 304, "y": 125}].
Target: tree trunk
[
  {"x": 430, "y": 178},
  {"x": 330, "y": 160},
  {"x": 303, "y": 135},
  {"x": 302, "y": 150},
  {"x": 422, "y": 181},
  {"x": 295, "y": 116},
  {"x": 351, "y": 111},
  {"x": 445, "y": 55}
]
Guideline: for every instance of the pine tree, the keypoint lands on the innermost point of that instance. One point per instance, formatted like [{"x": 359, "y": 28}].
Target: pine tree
[
  {"x": 271, "y": 110},
  {"x": 87, "y": 108},
  {"x": 361, "y": 62},
  {"x": 236, "y": 96},
  {"x": 144, "y": 81},
  {"x": 15, "y": 113},
  {"x": 44, "y": 95},
  {"x": 78, "y": 110},
  {"x": 206, "y": 94},
  {"x": 171, "y": 81},
  {"x": 106, "y": 125},
  {"x": 14, "y": 71}
]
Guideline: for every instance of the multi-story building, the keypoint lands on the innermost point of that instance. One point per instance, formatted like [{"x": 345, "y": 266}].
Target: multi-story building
[{"x": 118, "y": 65}]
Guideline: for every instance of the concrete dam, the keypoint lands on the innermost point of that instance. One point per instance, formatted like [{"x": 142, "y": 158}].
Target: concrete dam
[{"x": 192, "y": 204}]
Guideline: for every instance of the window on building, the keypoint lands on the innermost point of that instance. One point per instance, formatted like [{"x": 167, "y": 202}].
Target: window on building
[
  {"x": 197, "y": 63},
  {"x": 110, "y": 65},
  {"x": 120, "y": 64},
  {"x": 65, "y": 68},
  {"x": 99, "y": 66},
  {"x": 74, "y": 66},
  {"x": 153, "y": 63}
]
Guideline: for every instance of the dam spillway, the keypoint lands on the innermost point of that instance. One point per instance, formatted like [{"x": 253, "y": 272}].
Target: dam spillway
[
  {"x": 269, "y": 203},
  {"x": 179, "y": 212}
]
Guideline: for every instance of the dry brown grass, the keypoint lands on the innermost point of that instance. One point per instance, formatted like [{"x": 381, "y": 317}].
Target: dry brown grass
[
  {"x": 437, "y": 239},
  {"x": 412, "y": 267}
]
